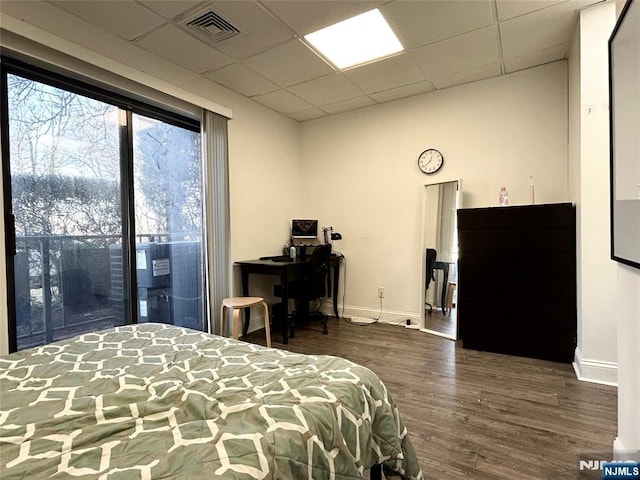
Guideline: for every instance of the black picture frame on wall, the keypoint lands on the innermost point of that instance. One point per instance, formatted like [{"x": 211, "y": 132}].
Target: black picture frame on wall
[{"x": 624, "y": 111}]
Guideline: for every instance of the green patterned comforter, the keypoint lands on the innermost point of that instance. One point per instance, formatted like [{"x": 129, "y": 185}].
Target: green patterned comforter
[{"x": 157, "y": 401}]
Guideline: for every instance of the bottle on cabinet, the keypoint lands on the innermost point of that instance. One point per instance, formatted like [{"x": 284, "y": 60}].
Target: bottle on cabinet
[{"x": 532, "y": 197}]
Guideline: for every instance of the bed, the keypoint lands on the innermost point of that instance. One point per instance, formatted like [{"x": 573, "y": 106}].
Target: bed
[{"x": 157, "y": 401}]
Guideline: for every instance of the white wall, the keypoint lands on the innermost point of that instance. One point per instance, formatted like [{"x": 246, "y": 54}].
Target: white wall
[
  {"x": 610, "y": 292},
  {"x": 627, "y": 316},
  {"x": 589, "y": 166},
  {"x": 264, "y": 146},
  {"x": 360, "y": 172}
]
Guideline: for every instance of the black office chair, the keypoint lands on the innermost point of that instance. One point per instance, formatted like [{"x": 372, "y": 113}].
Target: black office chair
[
  {"x": 430, "y": 264},
  {"x": 309, "y": 286}
]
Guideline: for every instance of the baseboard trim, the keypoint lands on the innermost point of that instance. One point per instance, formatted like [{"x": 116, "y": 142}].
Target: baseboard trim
[
  {"x": 595, "y": 371},
  {"x": 618, "y": 448},
  {"x": 391, "y": 317},
  {"x": 622, "y": 454}
]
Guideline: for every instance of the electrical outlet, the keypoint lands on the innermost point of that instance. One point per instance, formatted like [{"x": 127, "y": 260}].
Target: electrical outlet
[{"x": 380, "y": 292}]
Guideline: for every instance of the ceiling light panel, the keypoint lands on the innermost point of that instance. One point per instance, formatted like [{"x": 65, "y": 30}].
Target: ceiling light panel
[{"x": 357, "y": 40}]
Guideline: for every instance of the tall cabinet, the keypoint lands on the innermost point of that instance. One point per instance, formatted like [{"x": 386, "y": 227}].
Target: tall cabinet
[{"x": 517, "y": 280}]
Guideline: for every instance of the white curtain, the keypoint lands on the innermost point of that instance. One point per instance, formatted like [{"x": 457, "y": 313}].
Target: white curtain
[
  {"x": 216, "y": 221},
  {"x": 446, "y": 221}
]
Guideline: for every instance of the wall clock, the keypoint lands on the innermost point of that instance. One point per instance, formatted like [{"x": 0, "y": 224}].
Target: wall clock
[{"x": 430, "y": 161}]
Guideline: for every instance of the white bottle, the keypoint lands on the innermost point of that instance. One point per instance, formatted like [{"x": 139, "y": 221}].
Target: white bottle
[
  {"x": 292, "y": 252},
  {"x": 504, "y": 197},
  {"x": 532, "y": 196}
]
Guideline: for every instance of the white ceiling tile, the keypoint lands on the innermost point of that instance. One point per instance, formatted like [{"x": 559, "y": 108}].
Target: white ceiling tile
[
  {"x": 402, "y": 92},
  {"x": 259, "y": 30},
  {"x": 542, "y": 29},
  {"x": 308, "y": 114},
  {"x": 174, "y": 44},
  {"x": 347, "y": 105},
  {"x": 242, "y": 79},
  {"x": 457, "y": 54},
  {"x": 385, "y": 74},
  {"x": 514, "y": 8},
  {"x": 449, "y": 42},
  {"x": 326, "y": 90},
  {"x": 288, "y": 64},
  {"x": 126, "y": 19},
  {"x": 310, "y": 15},
  {"x": 468, "y": 76},
  {"x": 282, "y": 101},
  {"x": 421, "y": 22},
  {"x": 533, "y": 59},
  {"x": 170, "y": 8}
]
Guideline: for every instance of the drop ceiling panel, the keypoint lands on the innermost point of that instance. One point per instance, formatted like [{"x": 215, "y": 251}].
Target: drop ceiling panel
[
  {"x": 170, "y": 8},
  {"x": 402, "y": 92},
  {"x": 385, "y": 74},
  {"x": 448, "y": 42},
  {"x": 310, "y": 15},
  {"x": 259, "y": 31},
  {"x": 422, "y": 22},
  {"x": 458, "y": 54},
  {"x": 309, "y": 114},
  {"x": 283, "y": 102},
  {"x": 347, "y": 105},
  {"x": 468, "y": 76},
  {"x": 514, "y": 8},
  {"x": 542, "y": 29},
  {"x": 326, "y": 90},
  {"x": 172, "y": 43},
  {"x": 536, "y": 58},
  {"x": 126, "y": 19},
  {"x": 242, "y": 79},
  {"x": 288, "y": 64}
]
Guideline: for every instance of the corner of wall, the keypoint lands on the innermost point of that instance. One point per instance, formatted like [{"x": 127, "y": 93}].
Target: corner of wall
[{"x": 595, "y": 371}]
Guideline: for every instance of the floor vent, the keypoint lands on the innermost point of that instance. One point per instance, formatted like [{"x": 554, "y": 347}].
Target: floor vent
[{"x": 210, "y": 27}]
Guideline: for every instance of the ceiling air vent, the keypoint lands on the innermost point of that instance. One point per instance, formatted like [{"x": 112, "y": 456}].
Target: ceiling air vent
[{"x": 210, "y": 27}]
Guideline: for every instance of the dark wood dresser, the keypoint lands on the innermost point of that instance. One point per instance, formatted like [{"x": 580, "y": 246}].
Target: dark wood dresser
[{"x": 517, "y": 280}]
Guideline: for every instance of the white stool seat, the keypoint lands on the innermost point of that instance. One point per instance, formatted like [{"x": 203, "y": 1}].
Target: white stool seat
[{"x": 237, "y": 304}]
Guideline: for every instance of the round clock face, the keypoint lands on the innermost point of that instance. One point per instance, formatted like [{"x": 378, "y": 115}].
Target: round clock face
[{"x": 430, "y": 161}]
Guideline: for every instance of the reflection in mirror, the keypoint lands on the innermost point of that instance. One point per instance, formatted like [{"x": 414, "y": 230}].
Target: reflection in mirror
[{"x": 440, "y": 258}]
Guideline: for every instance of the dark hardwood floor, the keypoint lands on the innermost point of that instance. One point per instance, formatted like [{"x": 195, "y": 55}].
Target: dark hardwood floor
[
  {"x": 439, "y": 322},
  {"x": 470, "y": 414}
]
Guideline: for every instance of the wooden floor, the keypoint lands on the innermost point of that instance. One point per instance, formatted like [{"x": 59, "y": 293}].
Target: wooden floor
[
  {"x": 439, "y": 322},
  {"x": 475, "y": 415}
]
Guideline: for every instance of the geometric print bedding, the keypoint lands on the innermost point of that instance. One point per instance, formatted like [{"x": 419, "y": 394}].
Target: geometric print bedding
[{"x": 153, "y": 401}]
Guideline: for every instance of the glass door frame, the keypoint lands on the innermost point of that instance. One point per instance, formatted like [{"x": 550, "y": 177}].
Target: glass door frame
[{"x": 128, "y": 106}]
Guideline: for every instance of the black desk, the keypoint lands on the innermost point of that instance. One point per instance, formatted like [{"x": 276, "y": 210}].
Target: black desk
[{"x": 286, "y": 271}]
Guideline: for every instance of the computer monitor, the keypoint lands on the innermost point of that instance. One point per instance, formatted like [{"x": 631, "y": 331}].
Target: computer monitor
[{"x": 304, "y": 228}]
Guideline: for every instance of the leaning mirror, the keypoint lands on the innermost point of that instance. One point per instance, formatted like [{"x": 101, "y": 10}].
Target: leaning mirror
[
  {"x": 624, "y": 71},
  {"x": 440, "y": 258}
]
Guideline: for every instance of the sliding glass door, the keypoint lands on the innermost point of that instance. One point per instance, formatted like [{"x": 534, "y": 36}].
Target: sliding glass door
[
  {"x": 107, "y": 208},
  {"x": 168, "y": 223}
]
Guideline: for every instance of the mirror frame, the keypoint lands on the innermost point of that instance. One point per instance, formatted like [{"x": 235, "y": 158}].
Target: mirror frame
[
  {"x": 624, "y": 45},
  {"x": 423, "y": 295}
]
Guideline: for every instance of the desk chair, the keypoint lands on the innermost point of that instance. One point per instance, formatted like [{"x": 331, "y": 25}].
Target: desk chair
[
  {"x": 430, "y": 264},
  {"x": 237, "y": 304},
  {"x": 309, "y": 286}
]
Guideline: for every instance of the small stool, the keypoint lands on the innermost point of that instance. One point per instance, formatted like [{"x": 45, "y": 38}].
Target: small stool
[
  {"x": 237, "y": 304},
  {"x": 451, "y": 289}
]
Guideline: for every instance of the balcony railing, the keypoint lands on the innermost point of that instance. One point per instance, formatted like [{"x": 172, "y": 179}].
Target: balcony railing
[{"x": 70, "y": 284}]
